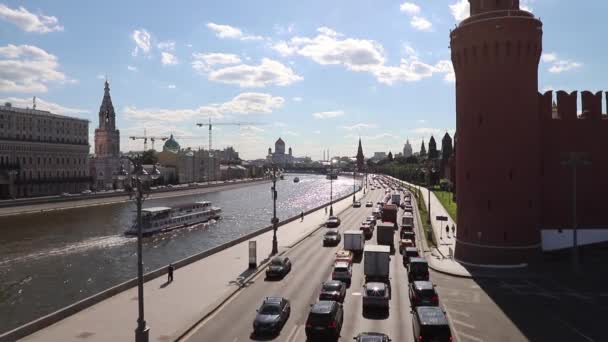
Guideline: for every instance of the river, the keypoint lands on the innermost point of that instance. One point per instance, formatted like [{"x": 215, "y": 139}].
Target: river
[{"x": 53, "y": 259}]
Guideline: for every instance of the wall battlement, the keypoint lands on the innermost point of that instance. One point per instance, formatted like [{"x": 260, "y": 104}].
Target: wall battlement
[{"x": 565, "y": 106}]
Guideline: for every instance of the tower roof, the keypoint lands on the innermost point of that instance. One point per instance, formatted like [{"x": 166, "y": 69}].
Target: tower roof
[
  {"x": 171, "y": 145},
  {"x": 279, "y": 142}
]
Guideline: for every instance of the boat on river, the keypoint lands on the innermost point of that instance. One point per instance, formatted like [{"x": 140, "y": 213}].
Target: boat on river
[
  {"x": 296, "y": 180},
  {"x": 163, "y": 219}
]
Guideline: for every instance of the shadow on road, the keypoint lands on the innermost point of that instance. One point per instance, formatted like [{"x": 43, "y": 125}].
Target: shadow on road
[
  {"x": 240, "y": 280},
  {"x": 376, "y": 314}
]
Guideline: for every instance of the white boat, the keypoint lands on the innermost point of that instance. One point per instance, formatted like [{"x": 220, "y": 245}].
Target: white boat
[
  {"x": 296, "y": 179},
  {"x": 162, "y": 219}
]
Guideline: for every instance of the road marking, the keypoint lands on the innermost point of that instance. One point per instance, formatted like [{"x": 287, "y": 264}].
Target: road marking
[
  {"x": 293, "y": 333},
  {"x": 356, "y": 293},
  {"x": 574, "y": 329},
  {"x": 470, "y": 326},
  {"x": 470, "y": 337},
  {"x": 459, "y": 313}
]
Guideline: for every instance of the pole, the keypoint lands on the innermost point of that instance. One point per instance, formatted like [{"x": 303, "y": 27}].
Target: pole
[
  {"x": 354, "y": 186},
  {"x": 275, "y": 244},
  {"x": 142, "y": 331},
  {"x": 574, "y": 223},
  {"x": 331, "y": 189},
  {"x": 429, "y": 199}
]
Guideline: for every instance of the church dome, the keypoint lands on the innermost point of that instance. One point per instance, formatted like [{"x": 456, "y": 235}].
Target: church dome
[
  {"x": 171, "y": 145},
  {"x": 280, "y": 142}
]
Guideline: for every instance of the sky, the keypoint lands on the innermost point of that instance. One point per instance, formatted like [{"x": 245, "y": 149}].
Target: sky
[{"x": 320, "y": 74}]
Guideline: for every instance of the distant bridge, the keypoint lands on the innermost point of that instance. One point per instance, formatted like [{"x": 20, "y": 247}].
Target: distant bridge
[{"x": 305, "y": 169}]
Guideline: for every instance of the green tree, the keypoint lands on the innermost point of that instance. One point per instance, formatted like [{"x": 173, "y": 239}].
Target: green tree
[
  {"x": 390, "y": 156},
  {"x": 149, "y": 157}
]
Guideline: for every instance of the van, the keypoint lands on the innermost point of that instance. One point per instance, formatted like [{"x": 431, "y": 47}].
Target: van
[
  {"x": 408, "y": 253},
  {"x": 417, "y": 269},
  {"x": 429, "y": 323}
]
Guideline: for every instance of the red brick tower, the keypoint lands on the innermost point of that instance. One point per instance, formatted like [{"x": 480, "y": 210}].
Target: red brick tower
[{"x": 495, "y": 53}]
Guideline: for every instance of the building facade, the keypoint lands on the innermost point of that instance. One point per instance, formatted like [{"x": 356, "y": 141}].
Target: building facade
[
  {"x": 407, "y": 149},
  {"x": 42, "y": 153},
  {"x": 279, "y": 157},
  {"x": 107, "y": 145}
]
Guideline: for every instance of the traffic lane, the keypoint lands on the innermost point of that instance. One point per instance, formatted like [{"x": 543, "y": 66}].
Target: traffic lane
[
  {"x": 518, "y": 310},
  {"x": 311, "y": 266},
  {"x": 397, "y": 324}
]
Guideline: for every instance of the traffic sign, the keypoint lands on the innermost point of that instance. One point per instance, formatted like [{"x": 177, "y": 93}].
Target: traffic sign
[{"x": 441, "y": 218}]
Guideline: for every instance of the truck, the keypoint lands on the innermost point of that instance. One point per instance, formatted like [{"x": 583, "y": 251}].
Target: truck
[
  {"x": 354, "y": 241},
  {"x": 396, "y": 199},
  {"x": 385, "y": 234},
  {"x": 389, "y": 214},
  {"x": 407, "y": 221},
  {"x": 376, "y": 268}
]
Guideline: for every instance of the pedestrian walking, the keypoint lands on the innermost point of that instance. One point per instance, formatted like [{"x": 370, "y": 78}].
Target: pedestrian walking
[
  {"x": 447, "y": 230},
  {"x": 301, "y": 216},
  {"x": 453, "y": 229},
  {"x": 170, "y": 273}
]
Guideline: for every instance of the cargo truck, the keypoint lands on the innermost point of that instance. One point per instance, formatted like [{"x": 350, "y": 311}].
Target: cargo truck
[
  {"x": 354, "y": 241},
  {"x": 385, "y": 234},
  {"x": 396, "y": 199},
  {"x": 376, "y": 268},
  {"x": 389, "y": 214}
]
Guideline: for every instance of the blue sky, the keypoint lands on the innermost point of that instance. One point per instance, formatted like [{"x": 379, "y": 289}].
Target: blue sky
[{"x": 317, "y": 73}]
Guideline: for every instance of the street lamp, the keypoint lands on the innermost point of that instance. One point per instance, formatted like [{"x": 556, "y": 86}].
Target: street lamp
[
  {"x": 274, "y": 220},
  {"x": 140, "y": 177},
  {"x": 331, "y": 187},
  {"x": 354, "y": 184}
]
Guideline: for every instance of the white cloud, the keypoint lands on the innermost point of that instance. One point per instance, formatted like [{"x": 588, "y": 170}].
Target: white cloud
[
  {"x": 291, "y": 133},
  {"x": 203, "y": 62},
  {"x": 330, "y": 48},
  {"x": 131, "y": 68},
  {"x": 142, "y": 41},
  {"x": 168, "y": 58},
  {"x": 43, "y": 105},
  {"x": 421, "y": 121},
  {"x": 30, "y": 22},
  {"x": 27, "y": 68},
  {"x": 100, "y": 77},
  {"x": 427, "y": 131},
  {"x": 227, "y": 31},
  {"x": 328, "y": 114},
  {"x": 279, "y": 124},
  {"x": 460, "y": 10},
  {"x": 409, "y": 8},
  {"x": 297, "y": 99},
  {"x": 316, "y": 131},
  {"x": 269, "y": 72},
  {"x": 244, "y": 103},
  {"x": 189, "y": 45},
  {"x": 168, "y": 45},
  {"x": 171, "y": 86},
  {"x": 421, "y": 23},
  {"x": 284, "y": 49},
  {"x": 446, "y": 67},
  {"x": 359, "y": 126},
  {"x": 559, "y": 65}
]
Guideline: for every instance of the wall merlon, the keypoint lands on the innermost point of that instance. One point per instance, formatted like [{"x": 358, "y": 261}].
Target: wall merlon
[
  {"x": 566, "y": 105},
  {"x": 545, "y": 105},
  {"x": 591, "y": 105}
]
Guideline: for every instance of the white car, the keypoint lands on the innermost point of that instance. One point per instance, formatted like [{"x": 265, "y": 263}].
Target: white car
[{"x": 86, "y": 192}]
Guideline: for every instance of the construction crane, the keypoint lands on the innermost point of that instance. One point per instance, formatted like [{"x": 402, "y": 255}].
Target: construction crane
[
  {"x": 210, "y": 125},
  {"x": 146, "y": 137}
]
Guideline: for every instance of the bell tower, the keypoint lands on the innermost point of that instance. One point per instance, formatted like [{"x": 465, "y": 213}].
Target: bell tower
[
  {"x": 107, "y": 142},
  {"x": 495, "y": 53}
]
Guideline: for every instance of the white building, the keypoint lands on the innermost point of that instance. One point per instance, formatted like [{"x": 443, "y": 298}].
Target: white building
[{"x": 407, "y": 149}]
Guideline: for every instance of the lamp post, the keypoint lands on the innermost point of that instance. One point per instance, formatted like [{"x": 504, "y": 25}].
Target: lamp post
[
  {"x": 140, "y": 178},
  {"x": 274, "y": 220},
  {"x": 331, "y": 187},
  {"x": 574, "y": 160},
  {"x": 354, "y": 186}
]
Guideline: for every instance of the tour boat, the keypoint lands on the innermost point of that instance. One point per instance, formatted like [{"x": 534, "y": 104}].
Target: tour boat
[
  {"x": 296, "y": 179},
  {"x": 163, "y": 219}
]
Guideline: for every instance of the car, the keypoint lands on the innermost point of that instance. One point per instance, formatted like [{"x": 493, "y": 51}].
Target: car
[
  {"x": 333, "y": 290},
  {"x": 369, "y": 204},
  {"x": 357, "y": 204},
  {"x": 376, "y": 295},
  {"x": 65, "y": 194},
  {"x": 86, "y": 192},
  {"x": 417, "y": 269},
  {"x": 278, "y": 267},
  {"x": 372, "y": 337},
  {"x": 408, "y": 253},
  {"x": 422, "y": 293},
  {"x": 333, "y": 222},
  {"x": 367, "y": 229},
  {"x": 404, "y": 243},
  {"x": 342, "y": 271},
  {"x": 271, "y": 316},
  {"x": 409, "y": 235},
  {"x": 324, "y": 320},
  {"x": 377, "y": 213},
  {"x": 429, "y": 323},
  {"x": 344, "y": 255},
  {"x": 371, "y": 220},
  {"x": 331, "y": 238}
]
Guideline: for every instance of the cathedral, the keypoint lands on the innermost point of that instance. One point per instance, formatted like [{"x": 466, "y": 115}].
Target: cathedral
[
  {"x": 279, "y": 157},
  {"x": 107, "y": 145}
]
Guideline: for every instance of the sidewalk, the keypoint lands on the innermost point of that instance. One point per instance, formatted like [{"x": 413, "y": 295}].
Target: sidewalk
[{"x": 197, "y": 289}]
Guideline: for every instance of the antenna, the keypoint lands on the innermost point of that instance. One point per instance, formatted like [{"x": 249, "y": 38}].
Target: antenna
[{"x": 34, "y": 103}]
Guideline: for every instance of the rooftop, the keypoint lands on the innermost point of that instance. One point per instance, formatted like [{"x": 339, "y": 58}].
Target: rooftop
[{"x": 38, "y": 112}]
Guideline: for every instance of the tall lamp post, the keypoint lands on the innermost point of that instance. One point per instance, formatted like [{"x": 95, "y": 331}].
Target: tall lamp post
[
  {"x": 274, "y": 220},
  {"x": 331, "y": 187},
  {"x": 354, "y": 184},
  {"x": 140, "y": 178},
  {"x": 574, "y": 160}
]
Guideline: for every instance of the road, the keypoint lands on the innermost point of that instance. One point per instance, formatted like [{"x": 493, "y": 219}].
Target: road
[{"x": 312, "y": 265}]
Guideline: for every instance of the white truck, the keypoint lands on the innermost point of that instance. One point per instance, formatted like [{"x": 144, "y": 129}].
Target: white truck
[
  {"x": 376, "y": 268},
  {"x": 354, "y": 241},
  {"x": 396, "y": 199}
]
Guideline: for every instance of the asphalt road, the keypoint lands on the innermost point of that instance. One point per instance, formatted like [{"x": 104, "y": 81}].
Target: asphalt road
[{"x": 311, "y": 266}]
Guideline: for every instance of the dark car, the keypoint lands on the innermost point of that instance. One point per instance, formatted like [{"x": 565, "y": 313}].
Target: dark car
[
  {"x": 278, "y": 267},
  {"x": 332, "y": 222},
  {"x": 408, "y": 253},
  {"x": 331, "y": 238},
  {"x": 369, "y": 204},
  {"x": 372, "y": 337},
  {"x": 357, "y": 204},
  {"x": 422, "y": 293},
  {"x": 272, "y": 315},
  {"x": 417, "y": 269},
  {"x": 333, "y": 290},
  {"x": 429, "y": 323},
  {"x": 367, "y": 230},
  {"x": 324, "y": 320}
]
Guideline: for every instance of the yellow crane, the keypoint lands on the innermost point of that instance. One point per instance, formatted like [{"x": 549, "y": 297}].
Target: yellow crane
[{"x": 146, "y": 137}]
